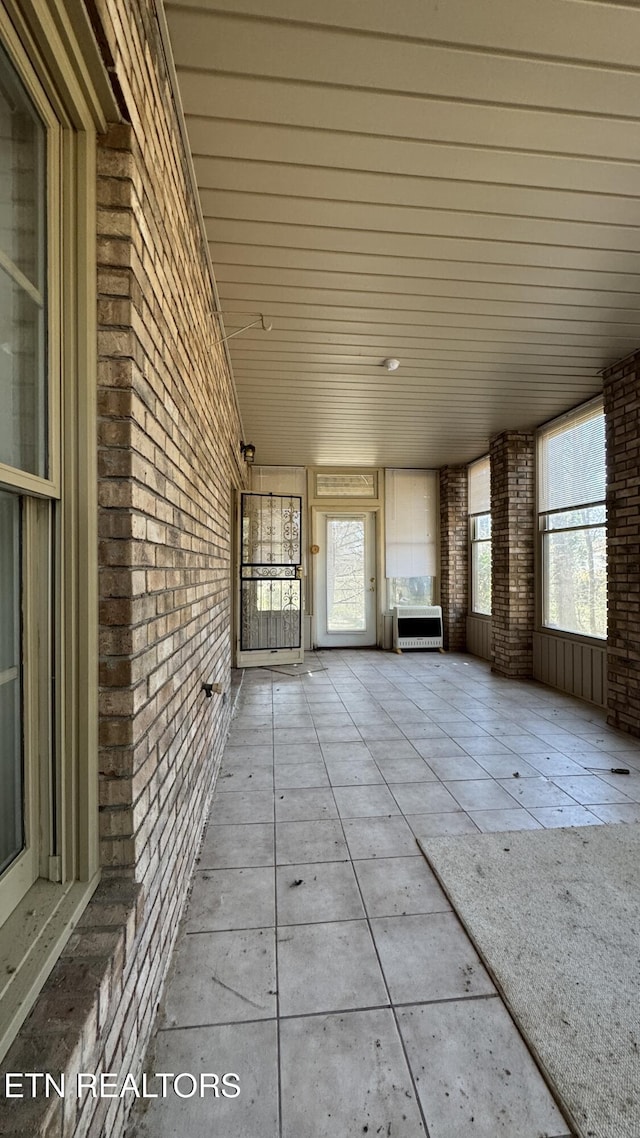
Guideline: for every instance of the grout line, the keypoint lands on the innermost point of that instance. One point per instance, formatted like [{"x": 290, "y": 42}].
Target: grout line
[
  {"x": 413, "y": 685},
  {"x": 480, "y": 998},
  {"x": 276, "y": 961},
  {"x": 390, "y": 1007},
  {"x": 214, "y": 1023},
  {"x": 386, "y": 985},
  {"x": 234, "y": 929}
]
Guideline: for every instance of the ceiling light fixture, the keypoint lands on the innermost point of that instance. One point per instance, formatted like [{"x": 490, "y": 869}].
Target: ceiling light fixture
[{"x": 391, "y": 364}]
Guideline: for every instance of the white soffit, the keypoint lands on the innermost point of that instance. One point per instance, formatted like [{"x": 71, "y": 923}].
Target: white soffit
[{"x": 452, "y": 183}]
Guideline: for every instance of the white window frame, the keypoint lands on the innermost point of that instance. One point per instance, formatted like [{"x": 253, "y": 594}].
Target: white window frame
[
  {"x": 411, "y": 483},
  {"x": 59, "y": 869},
  {"x": 475, "y": 542},
  {"x": 545, "y": 529}
]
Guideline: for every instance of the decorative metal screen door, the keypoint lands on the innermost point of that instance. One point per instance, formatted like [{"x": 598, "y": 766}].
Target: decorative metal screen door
[{"x": 270, "y": 579}]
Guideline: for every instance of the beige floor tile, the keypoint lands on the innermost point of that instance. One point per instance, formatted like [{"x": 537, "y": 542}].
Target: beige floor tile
[
  {"x": 396, "y": 886},
  {"x": 328, "y": 967},
  {"x": 429, "y": 958},
  {"x": 586, "y": 789},
  {"x": 551, "y": 816},
  {"x": 434, "y": 825},
  {"x": 227, "y": 847},
  {"x": 379, "y": 837},
  {"x": 498, "y": 821},
  {"x": 292, "y": 775},
  {"x": 536, "y": 792},
  {"x": 231, "y": 899},
  {"x": 309, "y": 804},
  {"x": 222, "y": 977},
  {"x": 243, "y": 806},
  {"x": 352, "y": 772},
  {"x": 346, "y": 1075},
  {"x": 310, "y": 841},
  {"x": 443, "y": 739},
  {"x": 249, "y": 1050},
  {"x": 423, "y": 797},
  {"x": 481, "y": 794},
  {"x": 317, "y": 892},
  {"x": 259, "y": 777},
  {"x": 406, "y": 770},
  {"x": 623, "y": 812},
  {"x": 364, "y": 801},
  {"x": 474, "y": 1075}
]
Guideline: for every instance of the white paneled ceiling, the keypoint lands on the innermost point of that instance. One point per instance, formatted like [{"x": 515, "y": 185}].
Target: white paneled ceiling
[{"x": 453, "y": 183}]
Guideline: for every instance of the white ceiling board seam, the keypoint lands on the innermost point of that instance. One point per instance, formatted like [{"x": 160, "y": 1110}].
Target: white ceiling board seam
[
  {"x": 401, "y": 207},
  {"x": 396, "y": 37},
  {"x": 423, "y": 140},
  {"x": 477, "y": 218}
]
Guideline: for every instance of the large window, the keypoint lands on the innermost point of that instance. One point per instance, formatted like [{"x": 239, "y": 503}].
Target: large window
[
  {"x": 410, "y": 542},
  {"x": 25, "y": 465},
  {"x": 572, "y": 520},
  {"x": 48, "y": 570},
  {"x": 480, "y": 535},
  {"x": 11, "y": 810}
]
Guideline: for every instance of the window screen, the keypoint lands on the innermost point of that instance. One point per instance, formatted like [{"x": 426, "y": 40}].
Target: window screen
[
  {"x": 572, "y": 461},
  {"x": 571, "y": 502},
  {"x": 480, "y": 486},
  {"x": 480, "y": 535},
  {"x": 410, "y": 536}
]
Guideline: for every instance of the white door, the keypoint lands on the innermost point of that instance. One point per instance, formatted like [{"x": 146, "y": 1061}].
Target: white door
[{"x": 345, "y": 580}]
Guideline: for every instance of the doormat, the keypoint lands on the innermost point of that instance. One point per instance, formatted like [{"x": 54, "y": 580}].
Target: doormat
[{"x": 555, "y": 916}]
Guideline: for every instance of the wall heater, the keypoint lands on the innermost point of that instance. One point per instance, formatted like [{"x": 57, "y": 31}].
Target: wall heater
[{"x": 417, "y": 627}]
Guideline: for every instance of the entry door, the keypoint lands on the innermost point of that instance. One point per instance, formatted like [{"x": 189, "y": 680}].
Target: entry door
[
  {"x": 345, "y": 579},
  {"x": 270, "y": 580}
]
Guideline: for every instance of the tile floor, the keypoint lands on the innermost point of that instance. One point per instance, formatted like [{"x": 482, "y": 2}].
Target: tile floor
[{"x": 319, "y": 959}]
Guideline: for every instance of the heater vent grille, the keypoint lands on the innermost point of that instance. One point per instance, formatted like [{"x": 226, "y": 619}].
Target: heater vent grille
[{"x": 417, "y": 627}]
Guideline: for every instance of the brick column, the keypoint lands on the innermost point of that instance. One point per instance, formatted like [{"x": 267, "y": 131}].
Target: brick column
[
  {"x": 622, "y": 419},
  {"x": 512, "y": 517},
  {"x": 454, "y": 556}
]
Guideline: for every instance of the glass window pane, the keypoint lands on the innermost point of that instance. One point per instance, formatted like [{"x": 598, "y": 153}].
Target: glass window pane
[
  {"x": 589, "y": 516},
  {"x": 346, "y": 485},
  {"x": 411, "y": 522},
  {"x": 481, "y": 577},
  {"x": 410, "y": 591},
  {"x": 22, "y": 379},
  {"x": 22, "y": 178},
  {"x": 22, "y": 277},
  {"x": 479, "y": 481},
  {"x": 575, "y": 569},
  {"x": 11, "y": 823},
  {"x": 481, "y": 527},
  {"x": 571, "y": 469},
  {"x": 346, "y": 584}
]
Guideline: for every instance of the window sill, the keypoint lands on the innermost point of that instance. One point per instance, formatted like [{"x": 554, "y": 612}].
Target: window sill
[
  {"x": 31, "y": 940},
  {"x": 576, "y": 637}
]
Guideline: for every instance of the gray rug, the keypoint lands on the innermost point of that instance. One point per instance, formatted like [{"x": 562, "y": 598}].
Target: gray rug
[{"x": 555, "y": 916}]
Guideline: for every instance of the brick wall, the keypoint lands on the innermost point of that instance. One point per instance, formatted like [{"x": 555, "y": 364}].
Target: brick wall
[
  {"x": 622, "y": 419},
  {"x": 169, "y": 459},
  {"x": 454, "y": 556},
  {"x": 512, "y": 525}
]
